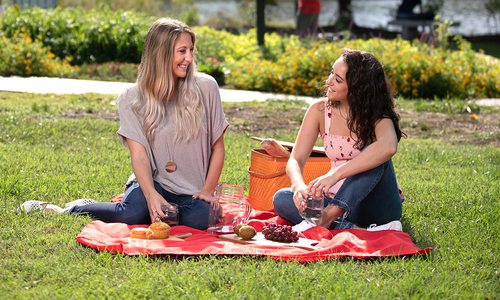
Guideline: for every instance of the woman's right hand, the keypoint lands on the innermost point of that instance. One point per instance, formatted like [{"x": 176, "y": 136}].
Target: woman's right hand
[
  {"x": 299, "y": 197},
  {"x": 155, "y": 202}
]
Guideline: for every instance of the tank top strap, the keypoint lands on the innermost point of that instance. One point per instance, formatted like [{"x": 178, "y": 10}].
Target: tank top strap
[{"x": 328, "y": 119}]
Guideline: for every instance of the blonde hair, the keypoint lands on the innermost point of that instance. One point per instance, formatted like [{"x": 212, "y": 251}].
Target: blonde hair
[{"x": 157, "y": 85}]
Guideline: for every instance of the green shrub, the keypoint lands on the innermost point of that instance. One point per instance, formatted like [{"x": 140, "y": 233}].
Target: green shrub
[
  {"x": 98, "y": 35},
  {"x": 24, "y": 57},
  {"x": 414, "y": 69},
  {"x": 283, "y": 65},
  {"x": 150, "y": 7}
]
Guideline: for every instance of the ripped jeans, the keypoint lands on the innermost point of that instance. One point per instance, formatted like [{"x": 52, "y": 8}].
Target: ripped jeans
[{"x": 371, "y": 197}]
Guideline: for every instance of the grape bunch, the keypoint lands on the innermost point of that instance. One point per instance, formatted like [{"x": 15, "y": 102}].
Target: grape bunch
[{"x": 280, "y": 233}]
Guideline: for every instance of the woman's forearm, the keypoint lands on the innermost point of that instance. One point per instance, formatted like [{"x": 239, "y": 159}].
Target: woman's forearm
[
  {"x": 215, "y": 167},
  {"x": 374, "y": 154},
  {"x": 294, "y": 173},
  {"x": 141, "y": 167}
]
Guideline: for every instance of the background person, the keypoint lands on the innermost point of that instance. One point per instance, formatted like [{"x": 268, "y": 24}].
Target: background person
[
  {"x": 308, "y": 17},
  {"x": 173, "y": 124},
  {"x": 360, "y": 132}
]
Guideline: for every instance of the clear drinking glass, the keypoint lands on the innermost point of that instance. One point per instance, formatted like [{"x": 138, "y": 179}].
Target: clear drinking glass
[
  {"x": 313, "y": 208},
  {"x": 171, "y": 214},
  {"x": 228, "y": 209}
]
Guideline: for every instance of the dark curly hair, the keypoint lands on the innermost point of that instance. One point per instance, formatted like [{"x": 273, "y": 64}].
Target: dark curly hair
[{"x": 369, "y": 96}]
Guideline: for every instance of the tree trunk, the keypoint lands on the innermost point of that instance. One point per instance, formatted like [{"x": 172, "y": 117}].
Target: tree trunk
[
  {"x": 261, "y": 23},
  {"x": 345, "y": 15}
]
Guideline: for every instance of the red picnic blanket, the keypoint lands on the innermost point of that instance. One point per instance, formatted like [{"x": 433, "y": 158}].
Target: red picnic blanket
[{"x": 114, "y": 237}]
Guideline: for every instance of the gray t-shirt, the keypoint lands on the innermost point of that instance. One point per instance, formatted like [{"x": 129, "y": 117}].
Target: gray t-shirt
[{"x": 192, "y": 157}]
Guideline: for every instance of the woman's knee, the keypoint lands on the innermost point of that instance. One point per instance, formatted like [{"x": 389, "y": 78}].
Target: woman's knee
[
  {"x": 133, "y": 209},
  {"x": 282, "y": 198},
  {"x": 195, "y": 215},
  {"x": 133, "y": 218}
]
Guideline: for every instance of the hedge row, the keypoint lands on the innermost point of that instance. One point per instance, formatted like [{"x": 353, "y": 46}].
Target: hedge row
[
  {"x": 98, "y": 35},
  {"x": 285, "y": 65}
]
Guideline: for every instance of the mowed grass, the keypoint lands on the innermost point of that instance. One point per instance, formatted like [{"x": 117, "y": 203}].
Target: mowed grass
[{"x": 60, "y": 148}]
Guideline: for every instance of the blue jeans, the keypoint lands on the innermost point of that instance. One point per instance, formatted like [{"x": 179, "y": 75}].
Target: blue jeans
[
  {"x": 134, "y": 209},
  {"x": 371, "y": 197}
]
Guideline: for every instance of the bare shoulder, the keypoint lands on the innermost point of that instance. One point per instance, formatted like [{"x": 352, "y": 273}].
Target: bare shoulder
[
  {"x": 318, "y": 106},
  {"x": 314, "y": 116},
  {"x": 384, "y": 122}
]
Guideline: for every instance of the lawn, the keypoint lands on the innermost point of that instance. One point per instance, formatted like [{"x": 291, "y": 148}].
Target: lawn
[{"x": 59, "y": 148}]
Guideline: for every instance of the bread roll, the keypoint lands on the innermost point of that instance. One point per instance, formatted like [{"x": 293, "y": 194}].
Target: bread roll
[
  {"x": 141, "y": 233},
  {"x": 275, "y": 149},
  {"x": 160, "y": 230}
]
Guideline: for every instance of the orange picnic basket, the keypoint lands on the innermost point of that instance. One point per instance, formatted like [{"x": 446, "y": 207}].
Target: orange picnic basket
[{"x": 268, "y": 175}]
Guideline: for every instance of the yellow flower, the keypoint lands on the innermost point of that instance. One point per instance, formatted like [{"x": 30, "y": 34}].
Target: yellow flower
[
  {"x": 27, "y": 39},
  {"x": 474, "y": 117}
]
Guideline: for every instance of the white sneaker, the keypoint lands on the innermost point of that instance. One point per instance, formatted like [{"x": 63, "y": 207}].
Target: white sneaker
[
  {"x": 394, "y": 225},
  {"x": 33, "y": 205},
  {"x": 79, "y": 202},
  {"x": 303, "y": 226}
]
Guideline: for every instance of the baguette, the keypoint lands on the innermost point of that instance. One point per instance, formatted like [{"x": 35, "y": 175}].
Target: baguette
[{"x": 273, "y": 148}]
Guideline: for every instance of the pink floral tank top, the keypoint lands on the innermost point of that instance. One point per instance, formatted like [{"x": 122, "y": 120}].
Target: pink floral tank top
[{"x": 339, "y": 149}]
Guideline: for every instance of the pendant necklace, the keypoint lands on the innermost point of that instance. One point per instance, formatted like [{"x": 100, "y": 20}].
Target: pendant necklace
[{"x": 170, "y": 166}]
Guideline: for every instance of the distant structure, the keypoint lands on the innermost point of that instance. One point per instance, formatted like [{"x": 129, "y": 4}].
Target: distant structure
[
  {"x": 410, "y": 21},
  {"x": 405, "y": 11},
  {"x": 39, "y": 3}
]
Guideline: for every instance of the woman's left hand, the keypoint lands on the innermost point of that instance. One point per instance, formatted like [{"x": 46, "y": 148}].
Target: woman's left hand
[
  {"x": 322, "y": 184},
  {"x": 205, "y": 196}
]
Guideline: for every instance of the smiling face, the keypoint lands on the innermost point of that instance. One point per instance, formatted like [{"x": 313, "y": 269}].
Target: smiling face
[
  {"x": 183, "y": 55},
  {"x": 336, "y": 82}
]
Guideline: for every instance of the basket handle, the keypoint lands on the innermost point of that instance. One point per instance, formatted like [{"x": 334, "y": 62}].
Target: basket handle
[{"x": 267, "y": 176}]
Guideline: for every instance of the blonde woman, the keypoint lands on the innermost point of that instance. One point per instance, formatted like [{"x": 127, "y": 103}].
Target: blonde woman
[{"x": 173, "y": 124}]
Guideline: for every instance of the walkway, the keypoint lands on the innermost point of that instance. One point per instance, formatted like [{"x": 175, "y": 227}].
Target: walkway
[{"x": 50, "y": 85}]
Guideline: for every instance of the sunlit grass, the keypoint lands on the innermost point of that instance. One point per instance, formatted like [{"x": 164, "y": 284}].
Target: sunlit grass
[{"x": 60, "y": 148}]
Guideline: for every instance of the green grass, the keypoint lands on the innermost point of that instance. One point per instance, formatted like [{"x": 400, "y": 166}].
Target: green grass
[{"x": 60, "y": 148}]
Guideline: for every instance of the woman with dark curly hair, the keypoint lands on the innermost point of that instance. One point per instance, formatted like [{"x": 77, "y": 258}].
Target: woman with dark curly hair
[{"x": 360, "y": 132}]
